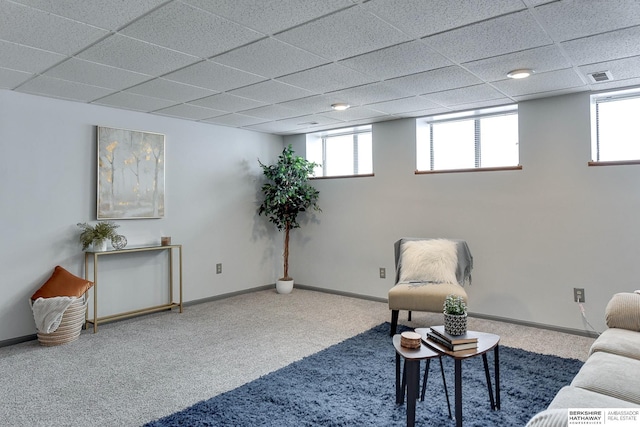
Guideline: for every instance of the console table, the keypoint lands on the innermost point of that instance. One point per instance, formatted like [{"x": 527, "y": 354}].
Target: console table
[{"x": 96, "y": 255}]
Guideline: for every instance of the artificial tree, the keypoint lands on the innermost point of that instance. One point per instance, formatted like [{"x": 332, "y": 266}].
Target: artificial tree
[{"x": 287, "y": 193}]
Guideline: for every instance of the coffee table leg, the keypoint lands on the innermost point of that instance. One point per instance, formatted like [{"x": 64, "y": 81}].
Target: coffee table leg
[
  {"x": 399, "y": 393},
  {"x": 488, "y": 377},
  {"x": 413, "y": 376},
  {"x": 458, "y": 375},
  {"x": 496, "y": 367}
]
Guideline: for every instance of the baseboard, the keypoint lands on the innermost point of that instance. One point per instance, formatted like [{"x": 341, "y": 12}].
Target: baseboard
[
  {"x": 18, "y": 340},
  {"x": 341, "y": 293},
  {"x": 229, "y": 295}
]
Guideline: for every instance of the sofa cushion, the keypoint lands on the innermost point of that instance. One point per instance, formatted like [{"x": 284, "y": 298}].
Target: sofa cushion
[
  {"x": 611, "y": 375},
  {"x": 433, "y": 260},
  {"x": 622, "y": 342},
  {"x": 576, "y": 397},
  {"x": 623, "y": 311}
]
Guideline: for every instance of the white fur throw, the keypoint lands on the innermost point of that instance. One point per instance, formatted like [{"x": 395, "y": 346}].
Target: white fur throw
[{"x": 429, "y": 261}]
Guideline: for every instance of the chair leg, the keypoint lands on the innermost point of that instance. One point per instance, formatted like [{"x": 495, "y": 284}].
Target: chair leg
[
  {"x": 394, "y": 322},
  {"x": 409, "y": 319}
]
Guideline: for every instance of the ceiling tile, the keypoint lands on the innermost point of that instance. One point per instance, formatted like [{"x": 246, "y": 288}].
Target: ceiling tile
[
  {"x": 616, "y": 84},
  {"x": 327, "y": 78},
  {"x": 572, "y": 19},
  {"x": 272, "y": 112},
  {"x": 354, "y": 113},
  {"x": 416, "y": 17},
  {"x": 135, "y": 55},
  {"x": 10, "y": 79},
  {"x": 35, "y": 28},
  {"x": 107, "y": 14},
  {"x": 395, "y": 61},
  {"x": 270, "y": 17},
  {"x": 540, "y": 59},
  {"x": 621, "y": 69},
  {"x": 213, "y": 76},
  {"x": 227, "y": 102},
  {"x": 540, "y": 83},
  {"x": 404, "y": 105},
  {"x": 271, "y": 92},
  {"x": 367, "y": 94},
  {"x": 604, "y": 47},
  {"x": 509, "y": 33},
  {"x": 344, "y": 34},
  {"x": 57, "y": 88},
  {"x": 191, "y": 112},
  {"x": 294, "y": 124},
  {"x": 95, "y": 74},
  {"x": 24, "y": 58},
  {"x": 312, "y": 104},
  {"x": 477, "y": 93},
  {"x": 556, "y": 92},
  {"x": 235, "y": 120},
  {"x": 270, "y": 58},
  {"x": 484, "y": 104},
  {"x": 131, "y": 101},
  {"x": 167, "y": 89},
  {"x": 187, "y": 29},
  {"x": 434, "y": 81}
]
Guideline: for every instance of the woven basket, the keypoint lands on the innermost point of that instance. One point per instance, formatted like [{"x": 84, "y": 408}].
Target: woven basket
[{"x": 70, "y": 326}]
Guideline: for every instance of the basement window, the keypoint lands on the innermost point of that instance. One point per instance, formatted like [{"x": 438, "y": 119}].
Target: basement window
[
  {"x": 485, "y": 139},
  {"x": 342, "y": 152},
  {"x": 615, "y": 128}
]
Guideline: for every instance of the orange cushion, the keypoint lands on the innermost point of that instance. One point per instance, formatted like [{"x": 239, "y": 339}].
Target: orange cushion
[{"x": 62, "y": 284}]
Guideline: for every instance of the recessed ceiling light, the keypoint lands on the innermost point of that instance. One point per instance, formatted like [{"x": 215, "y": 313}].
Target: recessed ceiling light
[
  {"x": 340, "y": 106},
  {"x": 520, "y": 74}
]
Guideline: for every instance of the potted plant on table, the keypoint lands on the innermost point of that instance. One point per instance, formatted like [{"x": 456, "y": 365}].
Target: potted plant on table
[
  {"x": 97, "y": 235},
  {"x": 455, "y": 315},
  {"x": 287, "y": 193}
]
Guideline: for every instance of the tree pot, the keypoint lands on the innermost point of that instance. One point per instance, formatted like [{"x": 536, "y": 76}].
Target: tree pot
[
  {"x": 455, "y": 324},
  {"x": 284, "y": 286}
]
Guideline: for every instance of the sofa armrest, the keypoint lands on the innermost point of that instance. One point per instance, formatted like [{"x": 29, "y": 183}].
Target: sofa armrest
[{"x": 623, "y": 311}]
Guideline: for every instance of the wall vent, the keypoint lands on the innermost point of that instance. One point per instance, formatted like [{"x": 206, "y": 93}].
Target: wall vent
[{"x": 600, "y": 76}]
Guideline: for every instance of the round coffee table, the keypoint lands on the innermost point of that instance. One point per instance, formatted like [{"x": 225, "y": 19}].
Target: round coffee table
[{"x": 486, "y": 342}]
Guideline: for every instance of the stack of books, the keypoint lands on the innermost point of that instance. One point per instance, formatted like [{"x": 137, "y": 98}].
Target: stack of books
[{"x": 449, "y": 342}]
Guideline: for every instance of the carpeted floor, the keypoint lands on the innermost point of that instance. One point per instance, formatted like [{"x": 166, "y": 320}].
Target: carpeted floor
[
  {"x": 145, "y": 368},
  {"x": 352, "y": 384}
]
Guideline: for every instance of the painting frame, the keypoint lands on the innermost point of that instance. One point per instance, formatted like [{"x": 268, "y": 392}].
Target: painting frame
[{"x": 130, "y": 174}]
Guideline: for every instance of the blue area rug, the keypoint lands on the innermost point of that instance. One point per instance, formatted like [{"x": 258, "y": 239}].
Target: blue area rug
[{"x": 353, "y": 384}]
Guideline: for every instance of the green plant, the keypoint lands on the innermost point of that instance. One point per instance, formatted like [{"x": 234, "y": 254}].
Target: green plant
[
  {"x": 103, "y": 230},
  {"x": 454, "y": 304},
  {"x": 287, "y": 194}
]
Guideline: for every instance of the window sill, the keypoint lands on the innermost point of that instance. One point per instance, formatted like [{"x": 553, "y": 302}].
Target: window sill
[
  {"x": 614, "y": 163},
  {"x": 364, "y": 175},
  {"x": 499, "y": 168}
]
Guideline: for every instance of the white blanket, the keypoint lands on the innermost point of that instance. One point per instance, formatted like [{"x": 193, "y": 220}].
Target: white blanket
[{"x": 47, "y": 312}]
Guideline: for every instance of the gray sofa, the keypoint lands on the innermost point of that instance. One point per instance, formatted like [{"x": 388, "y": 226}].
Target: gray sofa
[{"x": 610, "y": 378}]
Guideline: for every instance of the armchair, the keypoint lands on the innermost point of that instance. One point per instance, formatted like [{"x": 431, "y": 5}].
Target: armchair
[{"x": 427, "y": 270}]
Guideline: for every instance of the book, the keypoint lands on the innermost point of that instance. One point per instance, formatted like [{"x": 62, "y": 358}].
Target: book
[
  {"x": 465, "y": 338},
  {"x": 451, "y": 347}
]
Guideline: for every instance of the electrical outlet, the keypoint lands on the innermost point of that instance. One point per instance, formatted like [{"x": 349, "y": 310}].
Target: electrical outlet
[
  {"x": 578, "y": 294},
  {"x": 218, "y": 268},
  {"x": 383, "y": 272}
]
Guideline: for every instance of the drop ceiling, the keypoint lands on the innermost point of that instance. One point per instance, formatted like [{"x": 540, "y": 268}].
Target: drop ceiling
[{"x": 277, "y": 66}]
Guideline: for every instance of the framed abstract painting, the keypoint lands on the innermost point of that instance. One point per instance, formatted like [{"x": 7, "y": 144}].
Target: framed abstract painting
[{"x": 130, "y": 174}]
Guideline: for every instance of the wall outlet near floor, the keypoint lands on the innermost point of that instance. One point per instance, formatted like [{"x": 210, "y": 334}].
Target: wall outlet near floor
[
  {"x": 578, "y": 294},
  {"x": 218, "y": 268},
  {"x": 383, "y": 272}
]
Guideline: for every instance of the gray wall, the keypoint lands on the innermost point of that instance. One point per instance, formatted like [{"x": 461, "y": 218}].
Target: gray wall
[
  {"x": 48, "y": 184},
  {"x": 535, "y": 233}
]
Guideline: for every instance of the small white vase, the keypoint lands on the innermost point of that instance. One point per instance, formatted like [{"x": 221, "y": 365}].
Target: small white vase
[
  {"x": 100, "y": 246},
  {"x": 284, "y": 286}
]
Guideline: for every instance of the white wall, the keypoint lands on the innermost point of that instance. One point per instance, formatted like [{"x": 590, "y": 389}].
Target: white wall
[
  {"x": 535, "y": 234},
  {"x": 48, "y": 184}
]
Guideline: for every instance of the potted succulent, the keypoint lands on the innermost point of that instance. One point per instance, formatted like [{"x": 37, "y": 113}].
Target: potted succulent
[
  {"x": 287, "y": 194},
  {"x": 97, "y": 235},
  {"x": 455, "y": 315}
]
